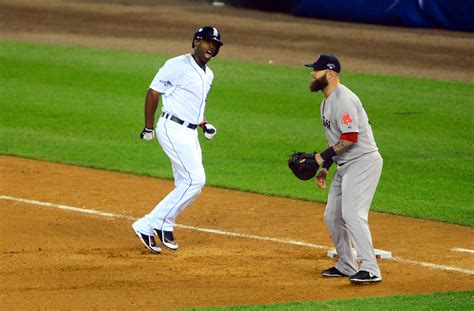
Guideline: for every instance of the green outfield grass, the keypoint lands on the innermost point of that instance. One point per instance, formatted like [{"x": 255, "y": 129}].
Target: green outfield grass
[
  {"x": 439, "y": 301},
  {"x": 85, "y": 106}
]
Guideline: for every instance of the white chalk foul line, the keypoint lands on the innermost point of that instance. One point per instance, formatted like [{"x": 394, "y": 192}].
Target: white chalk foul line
[
  {"x": 206, "y": 230},
  {"x": 226, "y": 233},
  {"x": 433, "y": 265},
  {"x": 254, "y": 237},
  {"x": 66, "y": 207},
  {"x": 462, "y": 250}
]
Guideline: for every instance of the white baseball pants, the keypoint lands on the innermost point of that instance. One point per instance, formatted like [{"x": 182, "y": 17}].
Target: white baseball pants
[{"x": 181, "y": 145}]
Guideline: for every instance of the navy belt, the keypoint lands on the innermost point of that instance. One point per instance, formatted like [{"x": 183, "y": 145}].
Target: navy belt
[{"x": 178, "y": 120}]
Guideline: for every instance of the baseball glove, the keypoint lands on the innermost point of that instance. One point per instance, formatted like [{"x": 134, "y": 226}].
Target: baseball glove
[{"x": 303, "y": 165}]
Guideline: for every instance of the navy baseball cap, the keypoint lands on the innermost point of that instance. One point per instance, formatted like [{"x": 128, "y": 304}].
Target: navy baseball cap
[{"x": 326, "y": 61}]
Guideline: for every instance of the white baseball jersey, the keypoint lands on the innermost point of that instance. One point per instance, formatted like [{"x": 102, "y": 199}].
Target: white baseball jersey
[
  {"x": 342, "y": 112},
  {"x": 184, "y": 86}
]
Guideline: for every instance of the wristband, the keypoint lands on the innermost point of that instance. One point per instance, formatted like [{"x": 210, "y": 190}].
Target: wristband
[
  {"x": 328, "y": 154},
  {"x": 327, "y": 164}
]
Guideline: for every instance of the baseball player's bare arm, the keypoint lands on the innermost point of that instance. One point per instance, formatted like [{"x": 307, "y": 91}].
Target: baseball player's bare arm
[
  {"x": 342, "y": 146},
  {"x": 151, "y": 103}
]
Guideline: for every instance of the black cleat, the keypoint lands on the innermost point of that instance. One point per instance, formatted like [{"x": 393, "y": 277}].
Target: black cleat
[
  {"x": 167, "y": 239},
  {"x": 333, "y": 273},
  {"x": 364, "y": 277},
  {"x": 148, "y": 241}
]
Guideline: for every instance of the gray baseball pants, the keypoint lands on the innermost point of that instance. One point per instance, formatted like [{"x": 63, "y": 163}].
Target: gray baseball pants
[{"x": 347, "y": 211}]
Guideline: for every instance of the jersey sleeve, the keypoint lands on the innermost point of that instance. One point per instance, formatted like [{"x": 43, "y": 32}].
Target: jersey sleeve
[
  {"x": 168, "y": 77},
  {"x": 347, "y": 116}
]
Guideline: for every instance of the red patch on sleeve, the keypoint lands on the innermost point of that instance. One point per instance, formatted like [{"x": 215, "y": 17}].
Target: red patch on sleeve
[
  {"x": 346, "y": 119},
  {"x": 353, "y": 137}
]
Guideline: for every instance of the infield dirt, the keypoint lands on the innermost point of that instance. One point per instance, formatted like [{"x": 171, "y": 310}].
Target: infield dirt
[{"x": 60, "y": 259}]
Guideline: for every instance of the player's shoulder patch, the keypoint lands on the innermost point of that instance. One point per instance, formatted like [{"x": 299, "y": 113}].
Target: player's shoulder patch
[
  {"x": 346, "y": 118},
  {"x": 166, "y": 83}
]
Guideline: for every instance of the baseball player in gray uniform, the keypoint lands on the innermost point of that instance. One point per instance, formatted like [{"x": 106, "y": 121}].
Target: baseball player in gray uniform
[
  {"x": 183, "y": 84},
  {"x": 352, "y": 147}
]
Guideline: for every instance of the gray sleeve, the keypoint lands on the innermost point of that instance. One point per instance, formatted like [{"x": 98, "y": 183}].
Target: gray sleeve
[{"x": 347, "y": 116}]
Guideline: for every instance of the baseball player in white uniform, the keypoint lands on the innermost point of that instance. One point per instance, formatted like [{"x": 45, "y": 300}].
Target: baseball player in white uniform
[
  {"x": 352, "y": 147},
  {"x": 183, "y": 84}
]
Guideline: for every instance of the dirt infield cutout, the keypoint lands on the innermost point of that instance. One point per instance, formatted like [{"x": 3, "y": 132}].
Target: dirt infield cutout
[{"x": 69, "y": 245}]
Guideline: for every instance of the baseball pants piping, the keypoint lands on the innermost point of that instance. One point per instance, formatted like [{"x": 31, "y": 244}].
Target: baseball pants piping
[{"x": 182, "y": 147}]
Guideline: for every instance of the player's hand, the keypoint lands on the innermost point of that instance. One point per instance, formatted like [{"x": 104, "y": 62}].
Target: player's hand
[
  {"x": 147, "y": 134},
  {"x": 209, "y": 130},
  {"x": 321, "y": 178}
]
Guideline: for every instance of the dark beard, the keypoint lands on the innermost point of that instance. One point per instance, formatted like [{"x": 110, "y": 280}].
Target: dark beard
[{"x": 318, "y": 84}]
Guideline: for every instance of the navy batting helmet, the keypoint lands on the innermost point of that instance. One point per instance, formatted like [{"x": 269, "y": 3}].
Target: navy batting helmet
[{"x": 209, "y": 33}]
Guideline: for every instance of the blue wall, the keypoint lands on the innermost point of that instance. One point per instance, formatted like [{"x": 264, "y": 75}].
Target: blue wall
[{"x": 447, "y": 14}]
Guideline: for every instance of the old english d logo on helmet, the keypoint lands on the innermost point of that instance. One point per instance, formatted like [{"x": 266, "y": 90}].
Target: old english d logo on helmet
[
  {"x": 209, "y": 33},
  {"x": 216, "y": 33}
]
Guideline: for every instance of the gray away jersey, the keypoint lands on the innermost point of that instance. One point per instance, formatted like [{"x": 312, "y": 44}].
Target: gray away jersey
[{"x": 342, "y": 112}]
